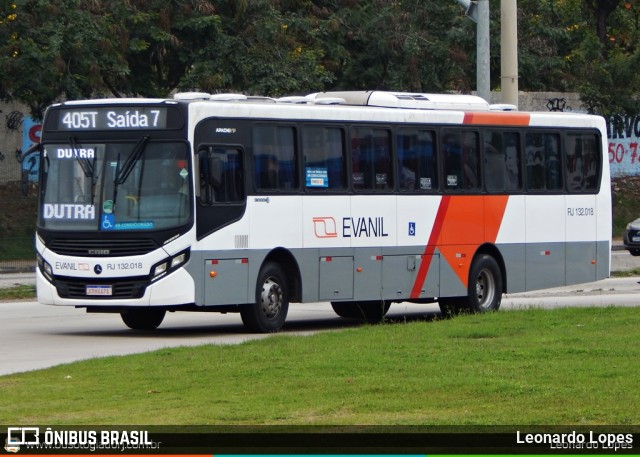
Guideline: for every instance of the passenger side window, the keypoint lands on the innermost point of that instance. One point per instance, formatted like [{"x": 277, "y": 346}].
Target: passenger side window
[
  {"x": 544, "y": 166},
  {"x": 583, "y": 163},
  {"x": 275, "y": 158},
  {"x": 371, "y": 159},
  {"x": 220, "y": 175},
  {"x": 461, "y": 160},
  {"x": 324, "y": 158},
  {"x": 502, "y": 164},
  {"x": 417, "y": 167}
]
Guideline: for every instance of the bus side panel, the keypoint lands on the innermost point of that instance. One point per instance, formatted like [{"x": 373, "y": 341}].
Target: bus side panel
[
  {"x": 513, "y": 256},
  {"x": 368, "y": 275},
  {"x": 275, "y": 221},
  {"x": 335, "y": 278},
  {"x": 581, "y": 262},
  {"x": 399, "y": 275},
  {"x": 545, "y": 240},
  {"x": 450, "y": 283},
  {"x": 581, "y": 236},
  {"x": 511, "y": 243},
  {"x": 226, "y": 280}
]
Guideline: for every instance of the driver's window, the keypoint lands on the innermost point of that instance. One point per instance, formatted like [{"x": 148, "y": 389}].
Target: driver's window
[{"x": 221, "y": 178}]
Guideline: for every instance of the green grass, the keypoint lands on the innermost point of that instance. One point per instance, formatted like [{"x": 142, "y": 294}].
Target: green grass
[
  {"x": 18, "y": 292},
  {"x": 626, "y": 273},
  {"x": 564, "y": 366}
]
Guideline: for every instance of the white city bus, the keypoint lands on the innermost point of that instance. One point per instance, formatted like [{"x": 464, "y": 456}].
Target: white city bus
[{"x": 362, "y": 199}]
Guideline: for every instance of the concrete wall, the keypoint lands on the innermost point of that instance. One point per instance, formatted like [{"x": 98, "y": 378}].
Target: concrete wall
[{"x": 14, "y": 119}]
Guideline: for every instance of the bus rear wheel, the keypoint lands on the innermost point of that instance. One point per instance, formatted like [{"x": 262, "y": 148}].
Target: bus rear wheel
[
  {"x": 269, "y": 312},
  {"x": 143, "y": 319},
  {"x": 484, "y": 292},
  {"x": 372, "y": 312},
  {"x": 485, "y": 284}
]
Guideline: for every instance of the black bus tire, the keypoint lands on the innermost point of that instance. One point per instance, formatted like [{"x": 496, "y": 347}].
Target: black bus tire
[
  {"x": 143, "y": 319},
  {"x": 269, "y": 312},
  {"x": 485, "y": 284}
]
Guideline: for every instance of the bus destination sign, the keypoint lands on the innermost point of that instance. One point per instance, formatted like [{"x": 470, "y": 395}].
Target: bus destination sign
[{"x": 114, "y": 118}]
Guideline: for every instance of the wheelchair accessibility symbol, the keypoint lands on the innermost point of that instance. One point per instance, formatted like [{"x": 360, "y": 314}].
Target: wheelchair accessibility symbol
[
  {"x": 108, "y": 222},
  {"x": 412, "y": 229}
]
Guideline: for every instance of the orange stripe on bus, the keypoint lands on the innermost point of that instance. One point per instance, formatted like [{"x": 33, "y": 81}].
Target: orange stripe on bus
[
  {"x": 470, "y": 222},
  {"x": 430, "y": 247},
  {"x": 497, "y": 118},
  {"x": 462, "y": 224}
]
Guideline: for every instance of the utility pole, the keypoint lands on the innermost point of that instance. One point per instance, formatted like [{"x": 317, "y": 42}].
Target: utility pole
[
  {"x": 509, "y": 51},
  {"x": 478, "y": 12}
]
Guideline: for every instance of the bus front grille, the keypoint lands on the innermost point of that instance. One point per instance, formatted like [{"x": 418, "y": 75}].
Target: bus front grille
[
  {"x": 102, "y": 248},
  {"x": 120, "y": 288}
]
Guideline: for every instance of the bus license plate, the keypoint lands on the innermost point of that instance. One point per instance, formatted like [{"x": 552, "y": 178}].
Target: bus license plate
[{"x": 98, "y": 290}]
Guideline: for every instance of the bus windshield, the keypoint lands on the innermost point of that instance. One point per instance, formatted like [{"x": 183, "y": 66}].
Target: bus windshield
[{"x": 124, "y": 186}]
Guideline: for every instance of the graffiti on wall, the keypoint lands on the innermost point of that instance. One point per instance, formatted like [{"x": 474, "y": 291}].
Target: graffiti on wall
[
  {"x": 30, "y": 136},
  {"x": 558, "y": 104},
  {"x": 624, "y": 133}
]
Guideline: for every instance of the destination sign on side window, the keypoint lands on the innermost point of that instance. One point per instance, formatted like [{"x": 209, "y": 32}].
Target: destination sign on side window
[{"x": 116, "y": 118}]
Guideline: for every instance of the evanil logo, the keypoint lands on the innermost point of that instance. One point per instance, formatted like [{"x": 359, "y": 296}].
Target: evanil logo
[{"x": 68, "y": 211}]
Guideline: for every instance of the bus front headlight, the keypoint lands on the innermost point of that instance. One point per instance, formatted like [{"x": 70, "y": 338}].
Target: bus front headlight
[
  {"x": 45, "y": 268},
  {"x": 169, "y": 265}
]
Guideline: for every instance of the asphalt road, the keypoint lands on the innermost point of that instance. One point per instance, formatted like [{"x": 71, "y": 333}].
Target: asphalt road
[{"x": 36, "y": 336}]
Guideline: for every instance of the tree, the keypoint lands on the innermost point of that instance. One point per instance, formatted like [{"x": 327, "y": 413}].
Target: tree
[
  {"x": 57, "y": 49},
  {"x": 80, "y": 49},
  {"x": 602, "y": 10},
  {"x": 265, "y": 48},
  {"x": 52, "y": 50},
  {"x": 608, "y": 56}
]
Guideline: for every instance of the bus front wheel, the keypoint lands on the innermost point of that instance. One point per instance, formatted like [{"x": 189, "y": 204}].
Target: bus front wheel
[
  {"x": 268, "y": 313},
  {"x": 143, "y": 319}
]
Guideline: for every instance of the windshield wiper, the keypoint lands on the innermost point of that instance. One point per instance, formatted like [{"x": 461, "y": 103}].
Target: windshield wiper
[
  {"x": 88, "y": 167},
  {"x": 123, "y": 173},
  {"x": 85, "y": 164}
]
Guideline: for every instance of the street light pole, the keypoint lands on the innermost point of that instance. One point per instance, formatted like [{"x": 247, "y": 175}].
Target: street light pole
[
  {"x": 509, "y": 51},
  {"x": 478, "y": 11}
]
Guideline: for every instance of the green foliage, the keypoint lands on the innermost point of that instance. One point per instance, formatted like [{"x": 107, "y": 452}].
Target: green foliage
[{"x": 65, "y": 49}]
